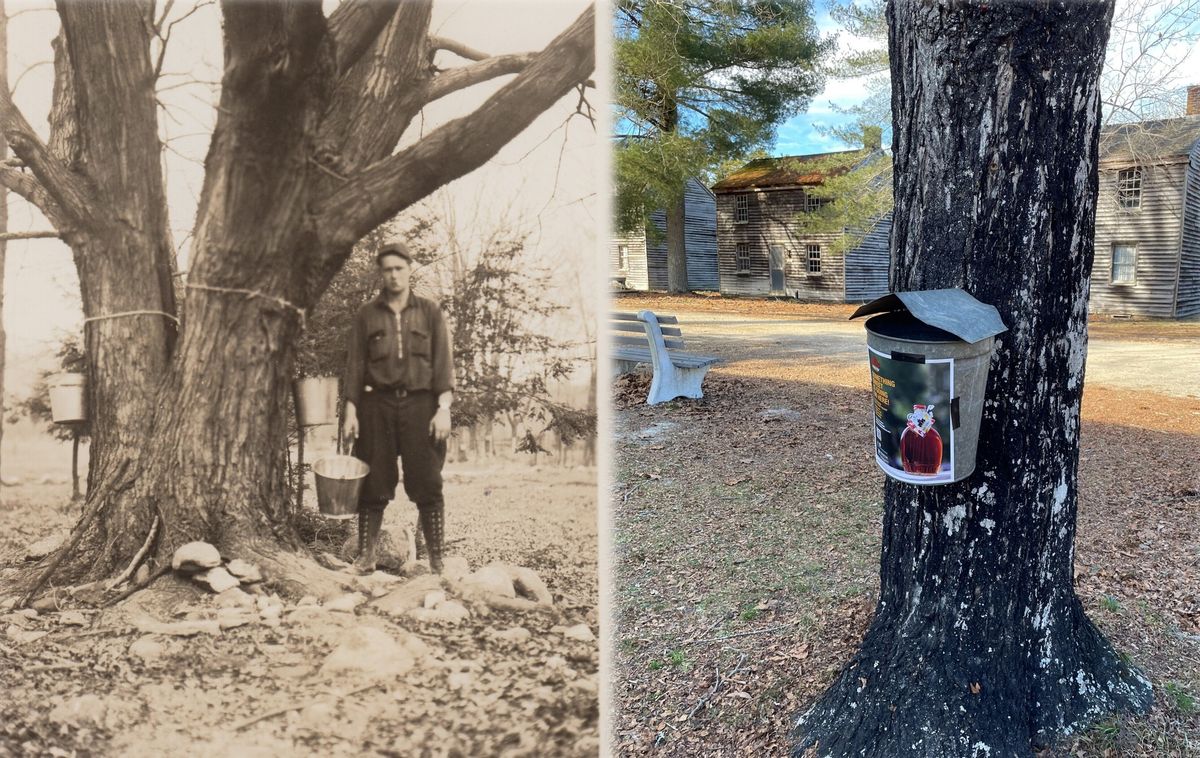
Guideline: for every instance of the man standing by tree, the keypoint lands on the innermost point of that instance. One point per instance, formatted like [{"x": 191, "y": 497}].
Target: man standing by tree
[{"x": 399, "y": 384}]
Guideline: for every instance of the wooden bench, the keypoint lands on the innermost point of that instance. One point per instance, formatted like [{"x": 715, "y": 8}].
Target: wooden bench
[{"x": 646, "y": 338}]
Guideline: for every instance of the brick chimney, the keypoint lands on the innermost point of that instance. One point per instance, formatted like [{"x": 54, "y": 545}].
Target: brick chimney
[{"x": 1193, "y": 101}]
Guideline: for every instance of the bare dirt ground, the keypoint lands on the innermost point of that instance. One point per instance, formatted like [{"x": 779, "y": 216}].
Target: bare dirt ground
[
  {"x": 747, "y": 529},
  {"x": 85, "y": 682}
]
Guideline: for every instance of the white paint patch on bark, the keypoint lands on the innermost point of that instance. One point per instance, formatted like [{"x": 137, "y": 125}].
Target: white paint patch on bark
[
  {"x": 1060, "y": 498},
  {"x": 988, "y": 525},
  {"x": 984, "y": 495},
  {"x": 953, "y": 518}
]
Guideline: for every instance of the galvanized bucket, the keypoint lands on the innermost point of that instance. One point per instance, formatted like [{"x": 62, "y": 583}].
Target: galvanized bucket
[
  {"x": 900, "y": 335},
  {"x": 339, "y": 481},
  {"x": 316, "y": 400},
  {"x": 66, "y": 398}
]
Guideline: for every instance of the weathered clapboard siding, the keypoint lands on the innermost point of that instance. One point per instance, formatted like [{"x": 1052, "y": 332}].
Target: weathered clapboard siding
[
  {"x": 1187, "y": 301},
  {"x": 1154, "y": 228},
  {"x": 868, "y": 264},
  {"x": 701, "y": 232},
  {"x": 774, "y": 218},
  {"x": 635, "y": 275},
  {"x": 700, "y": 239},
  {"x": 648, "y": 252}
]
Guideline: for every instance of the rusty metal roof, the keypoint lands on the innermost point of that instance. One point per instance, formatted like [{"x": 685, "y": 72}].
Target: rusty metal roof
[
  {"x": 1149, "y": 141},
  {"x": 784, "y": 171}
]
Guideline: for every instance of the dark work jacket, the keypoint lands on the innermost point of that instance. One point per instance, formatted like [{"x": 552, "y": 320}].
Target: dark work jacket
[{"x": 374, "y": 359}]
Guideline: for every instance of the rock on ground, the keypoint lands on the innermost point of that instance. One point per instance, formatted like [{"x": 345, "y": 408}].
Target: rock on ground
[
  {"x": 492, "y": 578},
  {"x": 528, "y": 584},
  {"x": 408, "y": 596},
  {"x": 246, "y": 572},
  {"x": 370, "y": 651},
  {"x": 147, "y": 648},
  {"x": 44, "y": 547},
  {"x": 515, "y": 635},
  {"x": 455, "y": 568},
  {"x": 580, "y": 632},
  {"x": 84, "y": 710},
  {"x": 195, "y": 556},
  {"x": 346, "y": 603},
  {"x": 217, "y": 579}
]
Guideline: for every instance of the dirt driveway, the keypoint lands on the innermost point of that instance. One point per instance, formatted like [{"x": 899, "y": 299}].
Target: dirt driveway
[{"x": 1158, "y": 357}]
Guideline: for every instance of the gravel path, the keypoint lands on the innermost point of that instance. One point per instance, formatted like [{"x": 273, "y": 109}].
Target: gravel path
[{"x": 1165, "y": 366}]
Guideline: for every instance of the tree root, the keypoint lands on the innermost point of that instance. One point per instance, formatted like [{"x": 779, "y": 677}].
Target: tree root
[
  {"x": 295, "y": 573},
  {"x": 92, "y": 508},
  {"x": 137, "y": 559}
]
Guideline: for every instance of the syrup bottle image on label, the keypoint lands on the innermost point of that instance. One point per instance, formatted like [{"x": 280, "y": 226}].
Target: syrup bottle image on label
[{"x": 920, "y": 444}]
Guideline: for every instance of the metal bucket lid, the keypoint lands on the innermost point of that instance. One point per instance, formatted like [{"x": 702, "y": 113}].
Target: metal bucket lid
[{"x": 949, "y": 310}]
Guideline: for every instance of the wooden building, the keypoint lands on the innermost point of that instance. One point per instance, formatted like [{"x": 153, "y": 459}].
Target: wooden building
[
  {"x": 1148, "y": 218},
  {"x": 639, "y": 261},
  {"x": 764, "y": 249}
]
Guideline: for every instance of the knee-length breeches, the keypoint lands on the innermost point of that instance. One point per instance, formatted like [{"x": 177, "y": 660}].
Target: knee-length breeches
[{"x": 390, "y": 426}]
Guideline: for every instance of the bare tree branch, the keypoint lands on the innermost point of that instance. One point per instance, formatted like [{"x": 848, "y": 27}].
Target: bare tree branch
[
  {"x": 57, "y": 182},
  {"x": 470, "y": 53},
  {"x": 29, "y": 188},
  {"x": 164, "y": 35},
  {"x": 38, "y": 235},
  {"x": 458, "y": 48},
  {"x": 460, "y": 78},
  {"x": 31, "y": 67},
  {"x": 392, "y": 184}
]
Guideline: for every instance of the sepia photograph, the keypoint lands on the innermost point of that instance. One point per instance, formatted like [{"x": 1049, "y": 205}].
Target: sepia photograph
[
  {"x": 300, "y": 359},
  {"x": 906, "y": 426}
]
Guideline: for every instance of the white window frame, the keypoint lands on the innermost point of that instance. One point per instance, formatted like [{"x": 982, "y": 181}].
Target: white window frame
[
  {"x": 812, "y": 204},
  {"x": 741, "y": 255},
  {"x": 741, "y": 208},
  {"x": 1131, "y": 266},
  {"x": 1129, "y": 188},
  {"x": 622, "y": 257},
  {"x": 810, "y": 259}
]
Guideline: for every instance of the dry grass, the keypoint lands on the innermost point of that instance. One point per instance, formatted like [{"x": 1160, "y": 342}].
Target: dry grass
[{"x": 747, "y": 541}]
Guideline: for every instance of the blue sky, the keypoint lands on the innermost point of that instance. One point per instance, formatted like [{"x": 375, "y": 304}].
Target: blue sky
[{"x": 799, "y": 136}]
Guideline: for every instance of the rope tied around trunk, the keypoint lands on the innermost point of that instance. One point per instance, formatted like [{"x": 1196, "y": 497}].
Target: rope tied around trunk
[
  {"x": 123, "y": 314},
  {"x": 286, "y": 305}
]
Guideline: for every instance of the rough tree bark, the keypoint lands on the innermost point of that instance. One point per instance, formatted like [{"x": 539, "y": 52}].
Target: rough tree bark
[
  {"x": 979, "y": 645},
  {"x": 675, "y": 213},
  {"x": 299, "y": 168},
  {"x": 676, "y": 247}
]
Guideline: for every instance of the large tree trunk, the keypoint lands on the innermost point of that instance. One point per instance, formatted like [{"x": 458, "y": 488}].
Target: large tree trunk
[
  {"x": 979, "y": 645},
  {"x": 677, "y": 247}
]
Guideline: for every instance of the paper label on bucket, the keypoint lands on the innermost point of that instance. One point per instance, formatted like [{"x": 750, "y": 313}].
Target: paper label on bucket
[{"x": 914, "y": 433}]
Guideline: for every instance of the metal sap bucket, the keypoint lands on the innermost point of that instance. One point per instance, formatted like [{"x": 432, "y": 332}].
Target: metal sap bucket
[
  {"x": 929, "y": 353},
  {"x": 339, "y": 481},
  {"x": 66, "y": 398},
  {"x": 316, "y": 400}
]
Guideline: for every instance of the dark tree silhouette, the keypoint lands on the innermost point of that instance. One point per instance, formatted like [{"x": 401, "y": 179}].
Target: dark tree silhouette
[{"x": 979, "y": 645}]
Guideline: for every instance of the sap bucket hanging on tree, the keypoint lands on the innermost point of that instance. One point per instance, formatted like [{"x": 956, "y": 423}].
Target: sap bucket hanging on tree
[
  {"x": 66, "y": 398},
  {"x": 929, "y": 354},
  {"x": 316, "y": 400}
]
